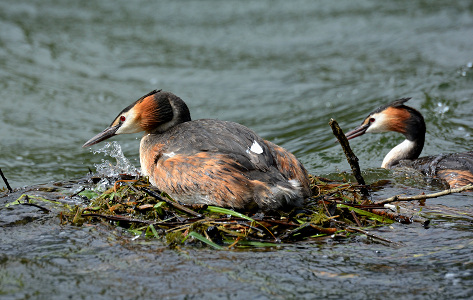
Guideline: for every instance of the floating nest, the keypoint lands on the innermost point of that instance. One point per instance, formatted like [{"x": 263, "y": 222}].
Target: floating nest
[{"x": 337, "y": 210}]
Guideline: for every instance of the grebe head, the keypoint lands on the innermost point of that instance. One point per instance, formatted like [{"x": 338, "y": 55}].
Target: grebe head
[
  {"x": 394, "y": 116},
  {"x": 399, "y": 118},
  {"x": 155, "y": 112}
]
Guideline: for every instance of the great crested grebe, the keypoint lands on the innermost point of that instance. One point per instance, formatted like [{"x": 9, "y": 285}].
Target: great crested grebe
[
  {"x": 208, "y": 161},
  {"x": 455, "y": 168}
]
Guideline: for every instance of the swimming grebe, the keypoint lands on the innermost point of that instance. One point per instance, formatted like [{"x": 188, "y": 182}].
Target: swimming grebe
[
  {"x": 455, "y": 168},
  {"x": 208, "y": 161}
]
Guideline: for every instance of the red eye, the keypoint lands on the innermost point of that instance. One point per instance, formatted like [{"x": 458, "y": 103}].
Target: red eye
[
  {"x": 122, "y": 119},
  {"x": 372, "y": 120}
]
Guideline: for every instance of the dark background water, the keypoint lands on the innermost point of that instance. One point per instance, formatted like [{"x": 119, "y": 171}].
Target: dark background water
[{"x": 282, "y": 68}]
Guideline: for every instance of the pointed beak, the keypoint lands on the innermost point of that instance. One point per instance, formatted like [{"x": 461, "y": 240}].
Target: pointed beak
[
  {"x": 360, "y": 130},
  {"x": 107, "y": 133}
]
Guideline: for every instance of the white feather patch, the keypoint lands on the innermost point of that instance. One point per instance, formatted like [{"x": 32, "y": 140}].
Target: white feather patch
[
  {"x": 170, "y": 154},
  {"x": 256, "y": 148}
]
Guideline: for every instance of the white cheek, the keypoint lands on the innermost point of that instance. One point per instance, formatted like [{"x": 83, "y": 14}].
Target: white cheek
[
  {"x": 379, "y": 125},
  {"x": 130, "y": 125},
  {"x": 128, "y": 128}
]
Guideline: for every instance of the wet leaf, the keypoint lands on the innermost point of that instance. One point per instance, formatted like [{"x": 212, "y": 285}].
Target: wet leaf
[
  {"x": 221, "y": 210},
  {"x": 153, "y": 230},
  {"x": 202, "y": 239},
  {"x": 370, "y": 215},
  {"x": 89, "y": 194},
  {"x": 255, "y": 243}
]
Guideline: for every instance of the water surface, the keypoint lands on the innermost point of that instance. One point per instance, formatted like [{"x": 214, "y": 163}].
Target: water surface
[{"x": 282, "y": 68}]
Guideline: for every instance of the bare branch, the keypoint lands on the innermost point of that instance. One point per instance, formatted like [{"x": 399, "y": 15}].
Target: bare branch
[
  {"x": 351, "y": 157},
  {"x": 6, "y": 181},
  {"x": 423, "y": 196}
]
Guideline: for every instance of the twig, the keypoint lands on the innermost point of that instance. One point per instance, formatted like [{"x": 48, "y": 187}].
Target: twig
[
  {"x": 422, "y": 197},
  {"x": 172, "y": 203},
  {"x": 289, "y": 233},
  {"x": 324, "y": 230},
  {"x": 36, "y": 205},
  {"x": 401, "y": 218},
  {"x": 356, "y": 218},
  {"x": 6, "y": 181},
  {"x": 122, "y": 180},
  {"x": 320, "y": 229},
  {"x": 116, "y": 218},
  {"x": 368, "y": 234},
  {"x": 249, "y": 226},
  {"x": 351, "y": 157},
  {"x": 78, "y": 192}
]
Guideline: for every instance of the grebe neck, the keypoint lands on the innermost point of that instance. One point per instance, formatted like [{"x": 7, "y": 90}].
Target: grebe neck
[
  {"x": 406, "y": 150},
  {"x": 414, "y": 131}
]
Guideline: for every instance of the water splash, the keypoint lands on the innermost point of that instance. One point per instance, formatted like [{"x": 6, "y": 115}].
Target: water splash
[
  {"x": 122, "y": 165},
  {"x": 464, "y": 70},
  {"x": 109, "y": 171},
  {"x": 442, "y": 108}
]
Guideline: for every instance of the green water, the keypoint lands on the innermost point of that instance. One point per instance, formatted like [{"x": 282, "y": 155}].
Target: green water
[{"x": 282, "y": 68}]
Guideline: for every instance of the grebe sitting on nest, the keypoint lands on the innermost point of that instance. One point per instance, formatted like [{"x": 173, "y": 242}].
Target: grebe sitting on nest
[{"x": 209, "y": 161}]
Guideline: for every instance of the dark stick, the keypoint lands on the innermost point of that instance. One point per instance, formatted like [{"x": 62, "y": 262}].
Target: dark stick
[
  {"x": 356, "y": 218},
  {"x": 6, "y": 181},
  {"x": 38, "y": 206},
  {"x": 351, "y": 157}
]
